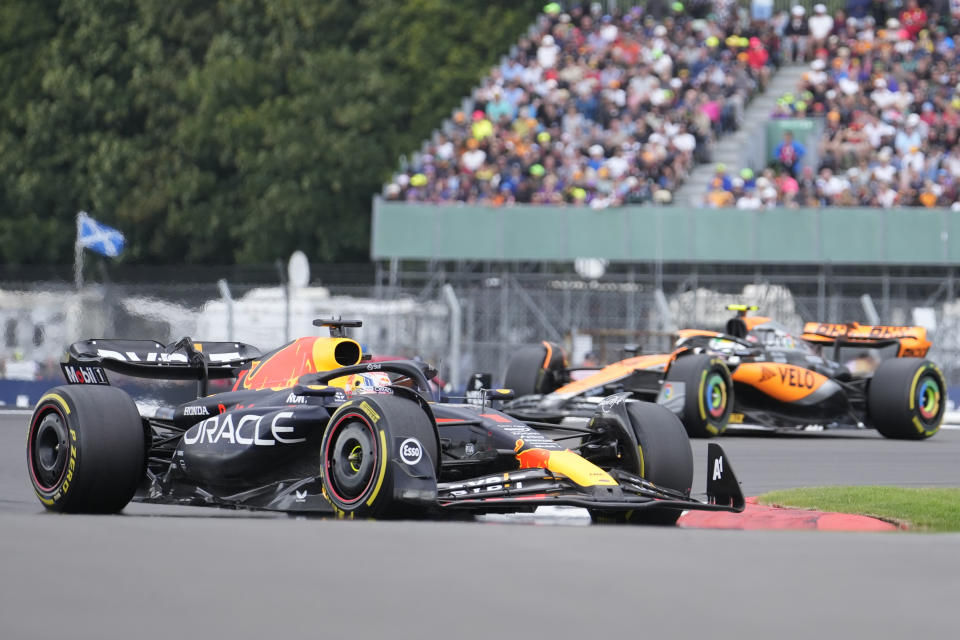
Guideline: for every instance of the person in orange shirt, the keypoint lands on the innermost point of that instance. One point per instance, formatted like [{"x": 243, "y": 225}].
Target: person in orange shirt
[{"x": 718, "y": 197}]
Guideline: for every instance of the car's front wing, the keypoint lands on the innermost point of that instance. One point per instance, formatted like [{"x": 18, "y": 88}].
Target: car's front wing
[{"x": 530, "y": 488}]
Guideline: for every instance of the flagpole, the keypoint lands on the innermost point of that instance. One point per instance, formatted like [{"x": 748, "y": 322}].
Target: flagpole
[{"x": 78, "y": 258}]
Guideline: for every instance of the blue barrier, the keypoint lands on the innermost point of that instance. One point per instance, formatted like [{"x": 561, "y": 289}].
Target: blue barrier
[{"x": 23, "y": 394}]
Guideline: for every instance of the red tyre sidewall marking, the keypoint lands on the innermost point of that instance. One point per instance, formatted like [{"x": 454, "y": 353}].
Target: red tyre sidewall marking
[{"x": 38, "y": 418}]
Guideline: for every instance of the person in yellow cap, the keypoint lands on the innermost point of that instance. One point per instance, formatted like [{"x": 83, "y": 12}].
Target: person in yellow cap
[
  {"x": 418, "y": 180},
  {"x": 482, "y": 127},
  {"x": 552, "y": 8}
]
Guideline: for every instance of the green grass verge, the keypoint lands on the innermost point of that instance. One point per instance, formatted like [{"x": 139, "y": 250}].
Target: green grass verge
[{"x": 921, "y": 509}]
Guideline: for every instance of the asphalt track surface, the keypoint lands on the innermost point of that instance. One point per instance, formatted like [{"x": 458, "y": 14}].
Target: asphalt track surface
[{"x": 180, "y": 572}]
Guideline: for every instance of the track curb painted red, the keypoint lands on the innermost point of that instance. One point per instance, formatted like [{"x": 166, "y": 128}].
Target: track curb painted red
[{"x": 762, "y": 517}]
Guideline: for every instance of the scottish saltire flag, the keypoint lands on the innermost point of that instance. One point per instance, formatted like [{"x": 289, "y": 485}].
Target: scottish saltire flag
[{"x": 98, "y": 237}]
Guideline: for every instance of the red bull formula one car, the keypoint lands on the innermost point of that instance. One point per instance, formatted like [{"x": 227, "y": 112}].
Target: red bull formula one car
[
  {"x": 313, "y": 427},
  {"x": 755, "y": 373}
]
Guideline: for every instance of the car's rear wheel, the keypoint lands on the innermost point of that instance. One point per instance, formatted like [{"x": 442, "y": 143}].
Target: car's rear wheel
[
  {"x": 534, "y": 369},
  {"x": 906, "y": 399},
  {"x": 359, "y": 443},
  {"x": 709, "y": 394},
  {"x": 661, "y": 455},
  {"x": 86, "y": 449}
]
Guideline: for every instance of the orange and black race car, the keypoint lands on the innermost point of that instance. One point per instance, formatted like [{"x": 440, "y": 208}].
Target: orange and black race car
[{"x": 755, "y": 373}]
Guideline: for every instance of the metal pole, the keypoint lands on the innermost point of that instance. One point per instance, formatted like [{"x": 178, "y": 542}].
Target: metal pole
[
  {"x": 77, "y": 259},
  {"x": 224, "y": 288},
  {"x": 456, "y": 330},
  {"x": 286, "y": 300}
]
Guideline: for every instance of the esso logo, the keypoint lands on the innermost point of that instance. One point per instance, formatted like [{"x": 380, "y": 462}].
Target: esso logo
[{"x": 411, "y": 451}]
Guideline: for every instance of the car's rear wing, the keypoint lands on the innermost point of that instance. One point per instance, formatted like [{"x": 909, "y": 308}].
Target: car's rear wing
[
  {"x": 912, "y": 341},
  {"x": 185, "y": 359}
]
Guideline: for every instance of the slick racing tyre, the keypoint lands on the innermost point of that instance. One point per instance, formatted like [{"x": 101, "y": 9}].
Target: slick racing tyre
[
  {"x": 86, "y": 449},
  {"x": 906, "y": 399},
  {"x": 536, "y": 369},
  {"x": 366, "y": 444},
  {"x": 662, "y": 455},
  {"x": 709, "y": 394}
]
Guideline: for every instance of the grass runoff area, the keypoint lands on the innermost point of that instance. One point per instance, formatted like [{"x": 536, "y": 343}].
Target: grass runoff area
[{"x": 933, "y": 509}]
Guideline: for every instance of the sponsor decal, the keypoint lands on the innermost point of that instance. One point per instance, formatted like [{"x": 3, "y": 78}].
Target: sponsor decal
[
  {"x": 367, "y": 409},
  {"x": 533, "y": 438},
  {"x": 301, "y": 495},
  {"x": 411, "y": 451},
  {"x": 166, "y": 358},
  {"x": 796, "y": 377},
  {"x": 855, "y": 331},
  {"x": 295, "y": 399},
  {"x": 249, "y": 429},
  {"x": 610, "y": 402},
  {"x": 666, "y": 391},
  {"x": 370, "y": 391},
  {"x": 766, "y": 373},
  {"x": 75, "y": 374},
  {"x": 196, "y": 411},
  {"x": 718, "y": 468},
  {"x": 489, "y": 484}
]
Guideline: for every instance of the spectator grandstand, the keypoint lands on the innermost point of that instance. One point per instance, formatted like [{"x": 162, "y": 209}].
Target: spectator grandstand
[
  {"x": 886, "y": 84},
  {"x": 609, "y": 109},
  {"x": 598, "y": 109}
]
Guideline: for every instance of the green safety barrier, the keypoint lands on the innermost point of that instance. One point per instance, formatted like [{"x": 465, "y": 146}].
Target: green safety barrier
[{"x": 668, "y": 234}]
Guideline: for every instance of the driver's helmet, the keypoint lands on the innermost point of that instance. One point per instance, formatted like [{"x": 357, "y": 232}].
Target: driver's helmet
[{"x": 367, "y": 380}]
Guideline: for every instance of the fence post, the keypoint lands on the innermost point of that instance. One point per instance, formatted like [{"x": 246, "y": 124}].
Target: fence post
[{"x": 456, "y": 330}]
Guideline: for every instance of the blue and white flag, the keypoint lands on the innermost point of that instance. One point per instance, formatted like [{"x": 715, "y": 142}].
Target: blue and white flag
[{"x": 98, "y": 237}]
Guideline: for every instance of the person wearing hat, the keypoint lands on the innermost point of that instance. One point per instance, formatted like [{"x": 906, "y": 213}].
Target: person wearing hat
[
  {"x": 820, "y": 24},
  {"x": 721, "y": 178},
  {"x": 796, "y": 33},
  {"x": 547, "y": 52},
  {"x": 910, "y": 136}
]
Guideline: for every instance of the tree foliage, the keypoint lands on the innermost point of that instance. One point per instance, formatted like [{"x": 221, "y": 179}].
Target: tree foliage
[{"x": 230, "y": 131}]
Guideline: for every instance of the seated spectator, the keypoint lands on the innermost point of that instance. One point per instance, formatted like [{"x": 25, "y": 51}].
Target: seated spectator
[
  {"x": 891, "y": 99},
  {"x": 599, "y": 110},
  {"x": 795, "y": 35}
]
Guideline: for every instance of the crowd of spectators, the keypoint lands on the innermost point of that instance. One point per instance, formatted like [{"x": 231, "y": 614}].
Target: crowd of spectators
[
  {"x": 598, "y": 109},
  {"x": 886, "y": 86}
]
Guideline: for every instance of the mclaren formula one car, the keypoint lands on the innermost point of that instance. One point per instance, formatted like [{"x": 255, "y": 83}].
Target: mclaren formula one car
[
  {"x": 755, "y": 373},
  {"x": 313, "y": 427}
]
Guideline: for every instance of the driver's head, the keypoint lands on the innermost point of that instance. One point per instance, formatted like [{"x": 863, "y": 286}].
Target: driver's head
[{"x": 736, "y": 328}]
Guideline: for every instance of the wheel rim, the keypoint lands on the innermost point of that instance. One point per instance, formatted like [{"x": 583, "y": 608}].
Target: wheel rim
[
  {"x": 48, "y": 451},
  {"x": 351, "y": 459},
  {"x": 715, "y": 395},
  {"x": 929, "y": 399}
]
